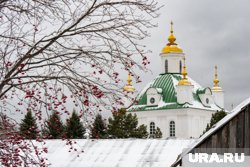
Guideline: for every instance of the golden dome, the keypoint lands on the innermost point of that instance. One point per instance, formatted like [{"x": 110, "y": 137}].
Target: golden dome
[
  {"x": 129, "y": 87},
  {"x": 184, "y": 80},
  {"x": 171, "y": 46},
  {"x": 216, "y": 81}
]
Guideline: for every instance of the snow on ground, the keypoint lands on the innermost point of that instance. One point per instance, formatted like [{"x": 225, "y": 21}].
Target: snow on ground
[{"x": 116, "y": 152}]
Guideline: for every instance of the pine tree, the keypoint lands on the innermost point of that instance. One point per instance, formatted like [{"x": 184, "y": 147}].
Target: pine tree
[
  {"x": 115, "y": 126},
  {"x": 141, "y": 132},
  {"x": 124, "y": 125},
  {"x": 54, "y": 128},
  {"x": 158, "y": 133},
  {"x": 216, "y": 117},
  {"x": 74, "y": 127},
  {"x": 98, "y": 129},
  {"x": 28, "y": 127}
]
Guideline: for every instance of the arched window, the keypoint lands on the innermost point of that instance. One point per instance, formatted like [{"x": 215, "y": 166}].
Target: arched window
[
  {"x": 172, "y": 129},
  {"x": 152, "y": 129},
  {"x": 180, "y": 66},
  {"x": 166, "y": 66}
]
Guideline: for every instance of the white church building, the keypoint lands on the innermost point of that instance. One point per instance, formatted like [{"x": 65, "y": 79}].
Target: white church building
[{"x": 174, "y": 102}]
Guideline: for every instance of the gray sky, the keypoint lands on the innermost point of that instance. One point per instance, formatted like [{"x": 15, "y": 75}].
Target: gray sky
[{"x": 210, "y": 32}]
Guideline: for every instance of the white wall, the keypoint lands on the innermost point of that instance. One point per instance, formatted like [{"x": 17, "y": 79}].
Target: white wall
[
  {"x": 153, "y": 93},
  {"x": 189, "y": 122},
  {"x": 207, "y": 95},
  {"x": 184, "y": 94},
  {"x": 218, "y": 96},
  {"x": 173, "y": 62}
]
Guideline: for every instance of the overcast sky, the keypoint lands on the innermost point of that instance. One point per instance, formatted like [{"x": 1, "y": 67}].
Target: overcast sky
[{"x": 210, "y": 32}]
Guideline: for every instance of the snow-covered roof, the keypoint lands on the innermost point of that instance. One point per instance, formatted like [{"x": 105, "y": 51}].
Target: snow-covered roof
[
  {"x": 219, "y": 124},
  {"x": 116, "y": 152},
  {"x": 166, "y": 84}
]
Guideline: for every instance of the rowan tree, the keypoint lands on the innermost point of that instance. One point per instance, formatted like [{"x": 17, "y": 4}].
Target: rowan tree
[
  {"x": 57, "y": 53},
  {"x": 6, "y": 126},
  {"x": 13, "y": 149}
]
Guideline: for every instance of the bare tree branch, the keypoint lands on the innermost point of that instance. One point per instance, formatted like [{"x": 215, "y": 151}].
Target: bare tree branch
[{"x": 59, "y": 53}]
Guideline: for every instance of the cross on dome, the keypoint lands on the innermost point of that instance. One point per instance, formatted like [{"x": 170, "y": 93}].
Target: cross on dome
[
  {"x": 216, "y": 80},
  {"x": 171, "y": 45}
]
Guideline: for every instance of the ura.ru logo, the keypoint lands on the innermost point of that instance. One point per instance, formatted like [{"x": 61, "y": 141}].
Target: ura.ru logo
[{"x": 215, "y": 158}]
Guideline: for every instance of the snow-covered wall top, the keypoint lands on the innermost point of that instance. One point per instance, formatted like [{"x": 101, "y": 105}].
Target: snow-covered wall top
[{"x": 116, "y": 153}]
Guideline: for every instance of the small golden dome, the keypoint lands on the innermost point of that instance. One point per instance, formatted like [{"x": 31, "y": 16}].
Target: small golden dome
[
  {"x": 171, "y": 46},
  {"x": 216, "y": 80},
  {"x": 184, "y": 80},
  {"x": 129, "y": 87}
]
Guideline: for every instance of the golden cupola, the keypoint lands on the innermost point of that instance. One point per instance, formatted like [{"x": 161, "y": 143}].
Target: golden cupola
[
  {"x": 184, "y": 80},
  {"x": 171, "y": 46},
  {"x": 216, "y": 80},
  {"x": 129, "y": 87}
]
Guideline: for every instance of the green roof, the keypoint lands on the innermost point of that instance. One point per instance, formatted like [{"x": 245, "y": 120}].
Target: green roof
[{"x": 167, "y": 83}]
